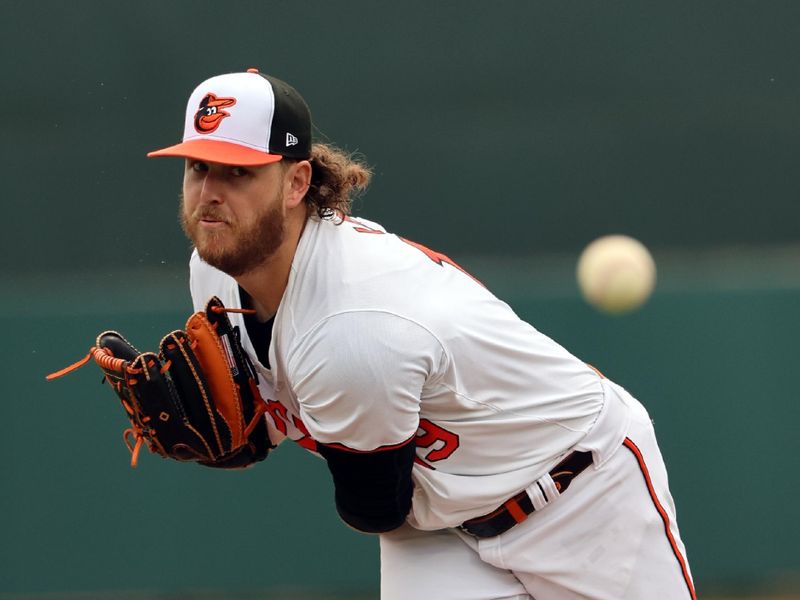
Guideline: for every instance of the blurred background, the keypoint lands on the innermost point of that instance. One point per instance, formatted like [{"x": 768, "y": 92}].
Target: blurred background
[{"x": 505, "y": 134}]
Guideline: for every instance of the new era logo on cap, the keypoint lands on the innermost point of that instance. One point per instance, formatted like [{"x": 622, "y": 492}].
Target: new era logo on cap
[{"x": 244, "y": 119}]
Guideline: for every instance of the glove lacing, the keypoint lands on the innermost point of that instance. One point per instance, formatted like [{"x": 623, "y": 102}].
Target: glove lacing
[{"x": 106, "y": 360}]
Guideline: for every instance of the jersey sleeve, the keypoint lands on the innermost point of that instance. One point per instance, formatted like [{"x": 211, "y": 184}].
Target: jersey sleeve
[{"x": 358, "y": 377}]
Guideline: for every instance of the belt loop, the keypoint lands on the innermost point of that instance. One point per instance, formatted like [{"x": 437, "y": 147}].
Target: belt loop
[
  {"x": 534, "y": 497},
  {"x": 543, "y": 491}
]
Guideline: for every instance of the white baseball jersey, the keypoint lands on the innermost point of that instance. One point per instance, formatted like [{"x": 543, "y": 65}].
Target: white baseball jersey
[{"x": 378, "y": 340}]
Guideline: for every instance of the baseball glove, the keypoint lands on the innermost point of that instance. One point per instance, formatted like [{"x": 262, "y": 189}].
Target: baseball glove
[{"x": 196, "y": 400}]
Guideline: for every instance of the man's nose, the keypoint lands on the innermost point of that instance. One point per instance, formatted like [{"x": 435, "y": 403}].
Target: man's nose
[{"x": 212, "y": 191}]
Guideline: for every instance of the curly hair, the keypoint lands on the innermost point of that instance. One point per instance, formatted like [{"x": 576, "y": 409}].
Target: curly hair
[{"x": 336, "y": 179}]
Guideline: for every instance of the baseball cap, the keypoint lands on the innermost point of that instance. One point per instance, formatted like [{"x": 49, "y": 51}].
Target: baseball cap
[{"x": 246, "y": 119}]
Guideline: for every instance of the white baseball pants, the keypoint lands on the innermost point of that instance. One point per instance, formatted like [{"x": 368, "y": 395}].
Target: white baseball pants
[{"x": 613, "y": 535}]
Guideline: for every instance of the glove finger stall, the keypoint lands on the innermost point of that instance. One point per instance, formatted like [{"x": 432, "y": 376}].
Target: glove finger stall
[
  {"x": 194, "y": 396},
  {"x": 116, "y": 357}
]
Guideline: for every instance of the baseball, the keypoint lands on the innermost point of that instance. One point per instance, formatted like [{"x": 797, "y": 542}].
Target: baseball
[{"x": 616, "y": 274}]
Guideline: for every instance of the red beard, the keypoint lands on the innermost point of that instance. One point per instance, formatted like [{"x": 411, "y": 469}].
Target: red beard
[{"x": 234, "y": 249}]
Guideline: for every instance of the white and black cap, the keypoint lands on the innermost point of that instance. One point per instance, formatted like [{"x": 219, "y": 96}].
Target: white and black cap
[{"x": 246, "y": 119}]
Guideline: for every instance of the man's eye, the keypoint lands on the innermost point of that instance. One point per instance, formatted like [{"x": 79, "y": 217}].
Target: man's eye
[
  {"x": 239, "y": 171},
  {"x": 198, "y": 167}
]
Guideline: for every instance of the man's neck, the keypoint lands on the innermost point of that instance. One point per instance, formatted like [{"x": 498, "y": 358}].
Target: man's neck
[{"x": 266, "y": 283}]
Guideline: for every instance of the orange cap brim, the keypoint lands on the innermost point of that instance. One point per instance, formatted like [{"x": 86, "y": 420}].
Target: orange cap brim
[{"x": 216, "y": 151}]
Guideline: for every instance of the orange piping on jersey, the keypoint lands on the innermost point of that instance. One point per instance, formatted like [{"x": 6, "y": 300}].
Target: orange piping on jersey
[
  {"x": 596, "y": 370},
  {"x": 361, "y": 227},
  {"x": 437, "y": 257},
  {"x": 440, "y": 259},
  {"x": 664, "y": 517},
  {"x": 378, "y": 449}
]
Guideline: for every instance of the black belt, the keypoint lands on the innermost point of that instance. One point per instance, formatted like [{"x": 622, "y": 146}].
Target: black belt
[{"x": 516, "y": 510}]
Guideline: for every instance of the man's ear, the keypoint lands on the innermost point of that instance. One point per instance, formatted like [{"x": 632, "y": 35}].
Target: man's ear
[{"x": 298, "y": 179}]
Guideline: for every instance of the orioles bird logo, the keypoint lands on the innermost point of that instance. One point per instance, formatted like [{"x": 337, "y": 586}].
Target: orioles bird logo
[{"x": 210, "y": 114}]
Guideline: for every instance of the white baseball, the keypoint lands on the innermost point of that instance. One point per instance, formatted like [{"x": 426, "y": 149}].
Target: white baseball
[{"x": 616, "y": 274}]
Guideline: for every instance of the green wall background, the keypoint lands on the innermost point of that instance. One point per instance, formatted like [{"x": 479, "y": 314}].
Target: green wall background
[
  {"x": 507, "y": 135},
  {"x": 502, "y": 127}
]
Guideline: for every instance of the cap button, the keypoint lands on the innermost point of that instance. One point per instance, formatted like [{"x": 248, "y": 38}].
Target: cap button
[{"x": 252, "y": 70}]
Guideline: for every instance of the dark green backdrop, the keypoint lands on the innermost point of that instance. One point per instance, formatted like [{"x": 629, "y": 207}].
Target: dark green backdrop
[
  {"x": 506, "y": 134},
  {"x": 493, "y": 127}
]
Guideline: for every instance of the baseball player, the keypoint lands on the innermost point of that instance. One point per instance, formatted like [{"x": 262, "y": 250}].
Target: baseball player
[{"x": 491, "y": 461}]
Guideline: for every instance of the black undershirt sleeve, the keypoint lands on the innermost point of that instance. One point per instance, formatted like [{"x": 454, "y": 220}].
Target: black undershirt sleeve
[
  {"x": 373, "y": 489},
  {"x": 260, "y": 334}
]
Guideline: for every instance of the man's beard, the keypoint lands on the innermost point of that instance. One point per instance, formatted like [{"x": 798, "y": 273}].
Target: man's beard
[{"x": 247, "y": 248}]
